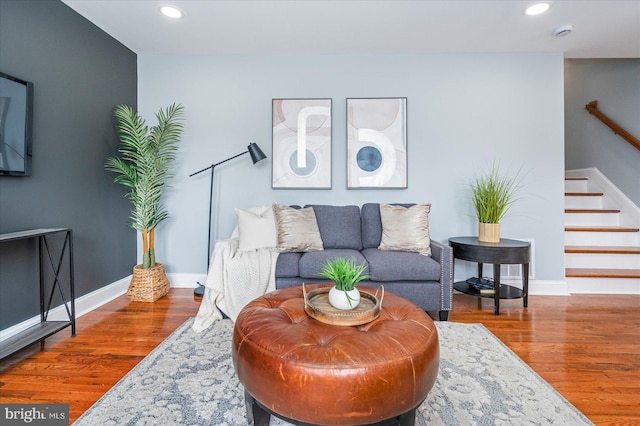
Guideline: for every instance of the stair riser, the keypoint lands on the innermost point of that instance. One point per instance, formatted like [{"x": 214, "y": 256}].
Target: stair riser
[
  {"x": 600, "y": 261},
  {"x": 603, "y": 285},
  {"x": 604, "y": 261},
  {"x": 601, "y": 238},
  {"x": 576, "y": 185},
  {"x": 581, "y": 202},
  {"x": 592, "y": 219}
]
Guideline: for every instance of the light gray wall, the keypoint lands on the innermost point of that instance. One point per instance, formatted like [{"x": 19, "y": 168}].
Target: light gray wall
[
  {"x": 80, "y": 73},
  {"x": 464, "y": 113},
  {"x": 615, "y": 84}
]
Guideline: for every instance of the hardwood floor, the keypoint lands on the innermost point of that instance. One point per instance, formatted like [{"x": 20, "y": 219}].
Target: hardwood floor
[
  {"x": 586, "y": 346},
  {"x": 109, "y": 342}
]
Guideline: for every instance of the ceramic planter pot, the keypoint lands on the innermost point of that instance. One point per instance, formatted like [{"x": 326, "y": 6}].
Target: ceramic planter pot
[{"x": 344, "y": 300}]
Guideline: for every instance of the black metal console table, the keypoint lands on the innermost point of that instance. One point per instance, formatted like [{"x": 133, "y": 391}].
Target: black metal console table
[
  {"x": 45, "y": 328},
  {"x": 504, "y": 252}
]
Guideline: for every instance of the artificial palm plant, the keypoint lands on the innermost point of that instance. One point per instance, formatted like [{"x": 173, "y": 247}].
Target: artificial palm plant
[{"x": 144, "y": 166}]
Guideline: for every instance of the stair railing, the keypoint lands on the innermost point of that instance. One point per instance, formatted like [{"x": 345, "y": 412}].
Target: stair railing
[{"x": 592, "y": 107}]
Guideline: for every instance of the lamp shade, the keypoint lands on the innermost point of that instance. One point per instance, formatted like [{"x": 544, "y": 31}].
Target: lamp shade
[{"x": 256, "y": 153}]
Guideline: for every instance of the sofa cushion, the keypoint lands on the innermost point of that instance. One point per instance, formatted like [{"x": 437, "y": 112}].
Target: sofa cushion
[
  {"x": 405, "y": 228},
  {"x": 372, "y": 224},
  {"x": 400, "y": 266},
  {"x": 297, "y": 229},
  {"x": 287, "y": 265},
  {"x": 311, "y": 263},
  {"x": 339, "y": 226}
]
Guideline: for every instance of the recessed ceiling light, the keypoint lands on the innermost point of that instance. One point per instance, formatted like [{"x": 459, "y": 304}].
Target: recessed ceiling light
[
  {"x": 171, "y": 12},
  {"x": 537, "y": 9}
]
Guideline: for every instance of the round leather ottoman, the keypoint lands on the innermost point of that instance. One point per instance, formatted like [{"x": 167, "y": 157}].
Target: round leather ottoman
[{"x": 309, "y": 372}]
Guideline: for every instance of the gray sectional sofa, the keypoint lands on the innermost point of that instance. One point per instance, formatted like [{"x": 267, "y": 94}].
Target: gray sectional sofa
[{"x": 351, "y": 231}]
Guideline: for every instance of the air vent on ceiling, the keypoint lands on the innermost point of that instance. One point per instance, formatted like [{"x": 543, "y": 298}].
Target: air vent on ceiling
[{"x": 563, "y": 30}]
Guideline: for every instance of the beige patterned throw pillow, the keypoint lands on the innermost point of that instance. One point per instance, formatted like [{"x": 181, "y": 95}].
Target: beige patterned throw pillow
[
  {"x": 405, "y": 229},
  {"x": 297, "y": 229}
]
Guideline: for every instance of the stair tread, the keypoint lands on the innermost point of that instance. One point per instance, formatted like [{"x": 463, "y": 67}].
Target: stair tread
[
  {"x": 602, "y": 273},
  {"x": 603, "y": 249},
  {"x": 591, "y": 211},
  {"x": 583, "y": 194},
  {"x": 601, "y": 229},
  {"x": 601, "y": 259}
]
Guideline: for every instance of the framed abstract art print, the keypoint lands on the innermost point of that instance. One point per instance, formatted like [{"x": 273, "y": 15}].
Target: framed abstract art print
[
  {"x": 376, "y": 143},
  {"x": 301, "y": 143}
]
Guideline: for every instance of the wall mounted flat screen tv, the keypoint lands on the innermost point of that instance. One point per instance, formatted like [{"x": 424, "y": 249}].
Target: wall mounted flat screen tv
[{"x": 16, "y": 126}]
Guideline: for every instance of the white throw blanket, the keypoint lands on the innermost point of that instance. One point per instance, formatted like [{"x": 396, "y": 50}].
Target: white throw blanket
[{"x": 235, "y": 278}]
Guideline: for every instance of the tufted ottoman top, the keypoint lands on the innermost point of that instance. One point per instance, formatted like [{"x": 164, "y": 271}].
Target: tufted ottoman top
[{"x": 318, "y": 373}]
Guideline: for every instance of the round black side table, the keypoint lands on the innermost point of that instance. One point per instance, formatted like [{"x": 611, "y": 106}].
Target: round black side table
[{"x": 504, "y": 252}]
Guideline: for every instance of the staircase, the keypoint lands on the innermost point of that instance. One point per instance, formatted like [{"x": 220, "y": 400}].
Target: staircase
[{"x": 602, "y": 236}]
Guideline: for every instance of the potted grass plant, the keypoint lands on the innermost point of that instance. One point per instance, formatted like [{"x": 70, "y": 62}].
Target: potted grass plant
[
  {"x": 493, "y": 195},
  {"x": 345, "y": 274},
  {"x": 144, "y": 166}
]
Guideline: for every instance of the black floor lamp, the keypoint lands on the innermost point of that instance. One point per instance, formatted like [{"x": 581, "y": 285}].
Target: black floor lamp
[{"x": 256, "y": 155}]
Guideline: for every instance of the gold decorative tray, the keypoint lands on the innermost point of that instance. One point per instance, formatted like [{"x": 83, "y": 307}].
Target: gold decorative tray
[{"x": 316, "y": 305}]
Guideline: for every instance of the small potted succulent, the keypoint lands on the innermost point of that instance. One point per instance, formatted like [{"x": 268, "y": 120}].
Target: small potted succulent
[{"x": 345, "y": 274}]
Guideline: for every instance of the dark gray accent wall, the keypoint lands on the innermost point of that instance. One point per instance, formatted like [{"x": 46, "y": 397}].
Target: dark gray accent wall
[{"x": 80, "y": 74}]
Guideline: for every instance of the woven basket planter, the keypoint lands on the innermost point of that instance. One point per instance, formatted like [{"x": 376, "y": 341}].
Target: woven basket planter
[{"x": 148, "y": 285}]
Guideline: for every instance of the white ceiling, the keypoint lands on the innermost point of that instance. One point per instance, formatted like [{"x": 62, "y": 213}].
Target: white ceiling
[{"x": 602, "y": 29}]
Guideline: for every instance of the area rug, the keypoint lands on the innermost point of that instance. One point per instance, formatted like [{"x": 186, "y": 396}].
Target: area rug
[{"x": 189, "y": 380}]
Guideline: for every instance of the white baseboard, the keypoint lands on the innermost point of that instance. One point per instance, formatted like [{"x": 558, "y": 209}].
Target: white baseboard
[
  {"x": 13, "y": 330},
  {"x": 541, "y": 287},
  {"x": 604, "y": 285},
  {"x": 84, "y": 305},
  {"x": 578, "y": 286},
  {"x": 186, "y": 280},
  {"x": 97, "y": 298},
  {"x": 549, "y": 288},
  {"x": 538, "y": 287},
  {"x": 93, "y": 300}
]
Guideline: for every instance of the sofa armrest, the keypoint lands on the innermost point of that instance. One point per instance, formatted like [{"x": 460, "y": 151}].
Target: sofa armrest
[{"x": 443, "y": 254}]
